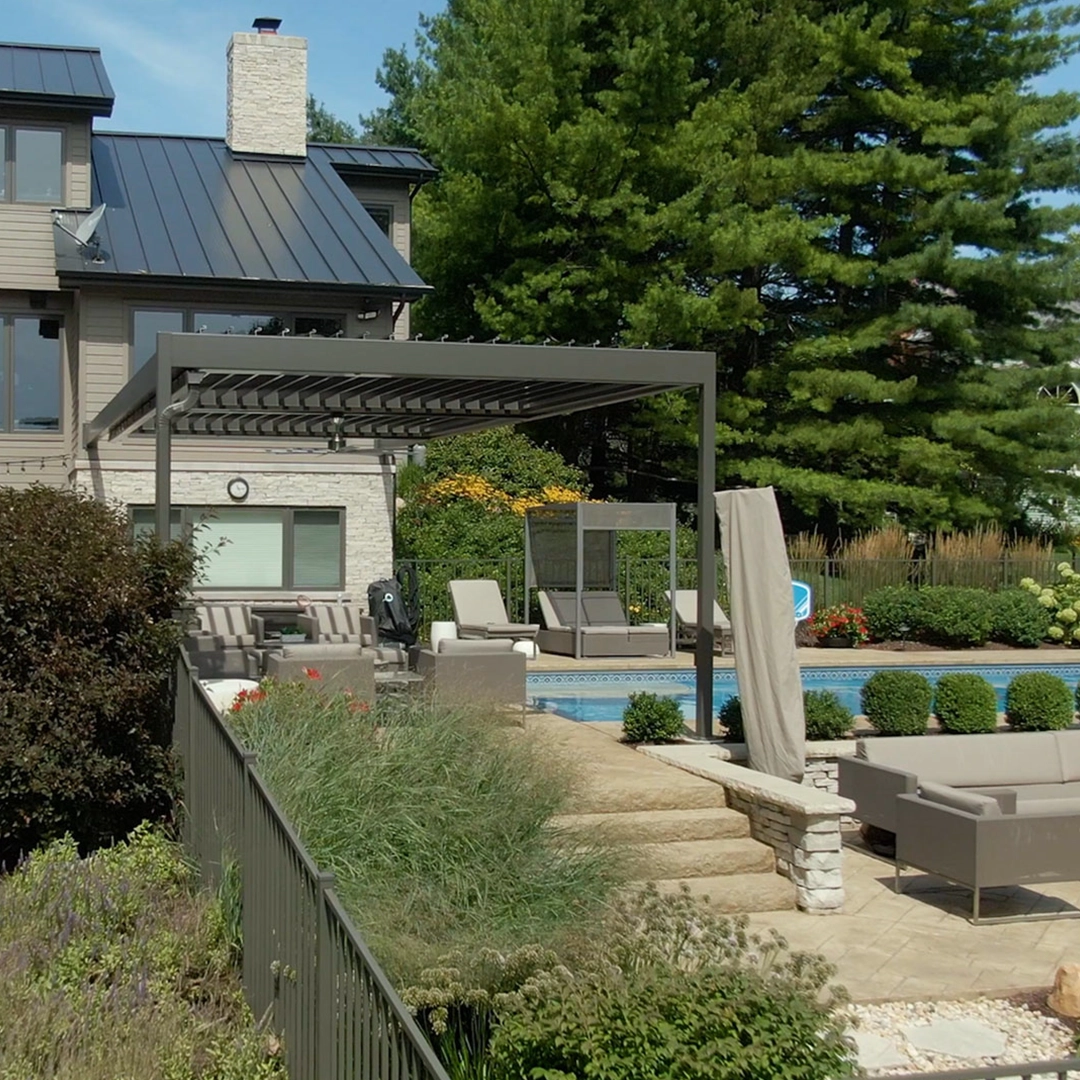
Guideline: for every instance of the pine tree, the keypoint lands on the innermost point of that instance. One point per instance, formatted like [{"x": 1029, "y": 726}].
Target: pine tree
[{"x": 841, "y": 201}]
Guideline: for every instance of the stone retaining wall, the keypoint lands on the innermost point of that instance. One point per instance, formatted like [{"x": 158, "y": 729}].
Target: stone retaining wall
[{"x": 800, "y": 822}]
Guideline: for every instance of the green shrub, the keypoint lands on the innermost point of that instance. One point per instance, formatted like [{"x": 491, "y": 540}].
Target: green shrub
[
  {"x": 116, "y": 966},
  {"x": 730, "y": 717},
  {"x": 678, "y": 993},
  {"x": 1017, "y": 618},
  {"x": 436, "y": 820},
  {"x": 1038, "y": 701},
  {"x": 965, "y": 703},
  {"x": 897, "y": 702},
  {"x": 954, "y": 616},
  {"x": 826, "y": 716},
  {"x": 892, "y": 613},
  {"x": 87, "y": 648},
  {"x": 651, "y": 718},
  {"x": 1062, "y": 602}
]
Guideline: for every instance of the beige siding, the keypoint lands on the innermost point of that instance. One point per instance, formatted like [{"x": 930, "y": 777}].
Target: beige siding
[
  {"x": 27, "y": 259},
  {"x": 396, "y": 196},
  {"x": 106, "y": 320}
]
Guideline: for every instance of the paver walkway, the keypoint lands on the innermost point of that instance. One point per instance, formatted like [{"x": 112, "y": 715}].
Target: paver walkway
[{"x": 919, "y": 945}]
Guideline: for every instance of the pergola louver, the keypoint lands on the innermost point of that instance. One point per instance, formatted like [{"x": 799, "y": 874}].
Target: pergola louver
[{"x": 239, "y": 386}]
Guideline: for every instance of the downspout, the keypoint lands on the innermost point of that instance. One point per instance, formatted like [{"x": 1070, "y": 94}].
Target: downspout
[{"x": 163, "y": 463}]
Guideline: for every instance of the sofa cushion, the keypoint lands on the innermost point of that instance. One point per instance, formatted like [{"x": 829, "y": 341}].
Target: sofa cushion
[
  {"x": 1068, "y": 744},
  {"x": 1049, "y": 806},
  {"x": 324, "y": 651},
  {"x": 968, "y": 801},
  {"x": 485, "y": 646},
  {"x": 1040, "y": 792},
  {"x": 1005, "y": 759}
]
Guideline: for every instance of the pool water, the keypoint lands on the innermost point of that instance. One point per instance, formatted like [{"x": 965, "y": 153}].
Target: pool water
[{"x": 602, "y": 695}]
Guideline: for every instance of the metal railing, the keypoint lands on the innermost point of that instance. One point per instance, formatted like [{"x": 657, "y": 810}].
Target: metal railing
[
  {"x": 641, "y": 582},
  {"x": 305, "y": 966},
  {"x": 1062, "y": 1068}
]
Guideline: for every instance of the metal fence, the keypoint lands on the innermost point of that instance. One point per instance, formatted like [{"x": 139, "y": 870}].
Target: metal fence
[
  {"x": 1062, "y": 1068},
  {"x": 642, "y": 581},
  {"x": 305, "y": 966}
]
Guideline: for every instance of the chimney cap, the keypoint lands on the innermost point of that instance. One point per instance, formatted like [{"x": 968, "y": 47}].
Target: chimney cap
[{"x": 266, "y": 25}]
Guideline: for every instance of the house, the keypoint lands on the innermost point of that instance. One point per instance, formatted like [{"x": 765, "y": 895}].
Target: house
[{"x": 108, "y": 238}]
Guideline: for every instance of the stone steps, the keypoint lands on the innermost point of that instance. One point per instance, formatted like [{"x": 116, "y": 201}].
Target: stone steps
[
  {"x": 657, "y": 826},
  {"x": 701, "y": 859},
  {"x": 628, "y": 798},
  {"x": 731, "y": 894}
]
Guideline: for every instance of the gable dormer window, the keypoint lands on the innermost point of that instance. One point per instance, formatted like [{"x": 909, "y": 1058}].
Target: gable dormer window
[{"x": 33, "y": 165}]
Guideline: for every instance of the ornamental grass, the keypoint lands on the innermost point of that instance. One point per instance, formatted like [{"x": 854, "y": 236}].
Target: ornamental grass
[{"x": 436, "y": 821}]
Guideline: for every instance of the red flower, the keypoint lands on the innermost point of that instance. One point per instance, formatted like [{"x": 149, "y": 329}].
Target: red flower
[{"x": 312, "y": 673}]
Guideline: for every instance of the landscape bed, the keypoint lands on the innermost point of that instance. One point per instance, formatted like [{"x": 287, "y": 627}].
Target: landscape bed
[{"x": 601, "y": 696}]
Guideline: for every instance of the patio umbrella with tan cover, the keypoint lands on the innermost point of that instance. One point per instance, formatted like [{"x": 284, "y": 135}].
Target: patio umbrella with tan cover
[{"x": 763, "y": 626}]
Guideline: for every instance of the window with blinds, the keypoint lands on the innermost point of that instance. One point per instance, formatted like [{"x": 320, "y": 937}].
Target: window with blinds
[{"x": 260, "y": 547}]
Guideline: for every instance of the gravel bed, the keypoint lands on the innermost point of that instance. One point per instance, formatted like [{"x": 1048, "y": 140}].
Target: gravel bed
[{"x": 1031, "y": 1030}]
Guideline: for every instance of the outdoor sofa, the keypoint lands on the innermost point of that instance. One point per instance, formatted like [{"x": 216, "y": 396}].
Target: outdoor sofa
[
  {"x": 605, "y": 629},
  {"x": 333, "y": 666},
  {"x": 978, "y": 810}
]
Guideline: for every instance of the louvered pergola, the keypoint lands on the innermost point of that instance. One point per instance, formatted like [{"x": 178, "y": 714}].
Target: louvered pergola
[{"x": 291, "y": 388}]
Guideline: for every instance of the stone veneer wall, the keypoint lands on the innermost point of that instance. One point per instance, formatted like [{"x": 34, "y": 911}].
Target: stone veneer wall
[
  {"x": 365, "y": 494},
  {"x": 808, "y": 848},
  {"x": 266, "y": 94}
]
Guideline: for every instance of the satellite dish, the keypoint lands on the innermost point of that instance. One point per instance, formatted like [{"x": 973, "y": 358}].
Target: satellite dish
[{"x": 85, "y": 232}]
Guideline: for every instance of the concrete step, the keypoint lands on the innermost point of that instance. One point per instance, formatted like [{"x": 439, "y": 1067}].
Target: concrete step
[
  {"x": 701, "y": 858},
  {"x": 608, "y": 798},
  {"x": 731, "y": 894},
  {"x": 657, "y": 826}
]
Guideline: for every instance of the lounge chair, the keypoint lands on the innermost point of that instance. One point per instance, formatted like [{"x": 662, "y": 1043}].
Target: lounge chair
[
  {"x": 686, "y": 613},
  {"x": 605, "y": 629},
  {"x": 479, "y": 612}
]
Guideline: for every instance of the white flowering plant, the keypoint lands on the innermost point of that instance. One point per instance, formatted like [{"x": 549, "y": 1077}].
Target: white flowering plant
[{"x": 1062, "y": 600}]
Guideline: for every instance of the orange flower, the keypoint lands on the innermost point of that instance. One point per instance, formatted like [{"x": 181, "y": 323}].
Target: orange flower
[{"x": 312, "y": 673}]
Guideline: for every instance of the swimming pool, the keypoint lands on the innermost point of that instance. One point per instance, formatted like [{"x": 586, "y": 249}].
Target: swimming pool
[{"x": 602, "y": 695}]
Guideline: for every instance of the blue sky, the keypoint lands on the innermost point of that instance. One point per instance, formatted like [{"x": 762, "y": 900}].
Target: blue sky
[{"x": 166, "y": 58}]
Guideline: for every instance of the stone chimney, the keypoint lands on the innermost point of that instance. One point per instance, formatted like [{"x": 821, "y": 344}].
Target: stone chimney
[{"x": 267, "y": 92}]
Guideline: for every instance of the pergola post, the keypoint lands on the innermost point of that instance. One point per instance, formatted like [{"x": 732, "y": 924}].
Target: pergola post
[{"x": 706, "y": 557}]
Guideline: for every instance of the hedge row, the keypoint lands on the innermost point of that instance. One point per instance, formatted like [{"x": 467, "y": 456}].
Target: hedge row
[
  {"x": 902, "y": 703},
  {"x": 956, "y": 617}
]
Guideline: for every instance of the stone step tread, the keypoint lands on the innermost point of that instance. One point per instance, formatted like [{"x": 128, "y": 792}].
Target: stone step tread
[
  {"x": 641, "y": 826},
  {"x": 606, "y": 798},
  {"x": 702, "y": 858},
  {"x": 731, "y": 894}
]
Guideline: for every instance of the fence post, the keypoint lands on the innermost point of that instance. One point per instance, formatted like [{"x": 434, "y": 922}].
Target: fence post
[
  {"x": 249, "y": 859},
  {"x": 325, "y": 991}
]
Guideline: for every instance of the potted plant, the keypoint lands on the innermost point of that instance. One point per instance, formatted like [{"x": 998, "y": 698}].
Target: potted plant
[
  {"x": 840, "y": 626},
  {"x": 292, "y": 635}
]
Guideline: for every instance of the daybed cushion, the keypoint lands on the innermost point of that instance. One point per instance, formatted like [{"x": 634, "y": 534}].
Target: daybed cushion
[
  {"x": 968, "y": 801},
  {"x": 1068, "y": 743},
  {"x": 1041, "y": 792},
  {"x": 475, "y": 645},
  {"x": 1005, "y": 759}
]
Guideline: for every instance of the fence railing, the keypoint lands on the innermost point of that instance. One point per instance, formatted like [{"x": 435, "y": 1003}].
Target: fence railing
[
  {"x": 641, "y": 582},
  {"x": 305, "y": 966},
  {"x": 1062, "y": 1068}
]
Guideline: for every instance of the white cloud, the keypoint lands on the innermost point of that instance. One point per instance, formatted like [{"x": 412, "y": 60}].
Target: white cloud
[{"x": 175, "y": 57}]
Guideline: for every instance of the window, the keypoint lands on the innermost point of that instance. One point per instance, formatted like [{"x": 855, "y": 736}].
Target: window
[
  {"x": 147, "y": 323},
  {"x": 383, "y": 216},
  {"x": 261, "y": 547},
  {"x": 29, "y": 374},
  {"x": 33, "y": 165}
]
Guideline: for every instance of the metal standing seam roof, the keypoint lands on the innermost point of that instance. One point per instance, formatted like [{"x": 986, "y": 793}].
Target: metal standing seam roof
[
  {"x": 188, "y": 209},
  {"x": 390, "y": 160},
  {"x": 58, "y": 75}
]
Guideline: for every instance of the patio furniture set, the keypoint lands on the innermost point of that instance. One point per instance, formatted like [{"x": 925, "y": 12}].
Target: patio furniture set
[{"x": 978, "y": 810}]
